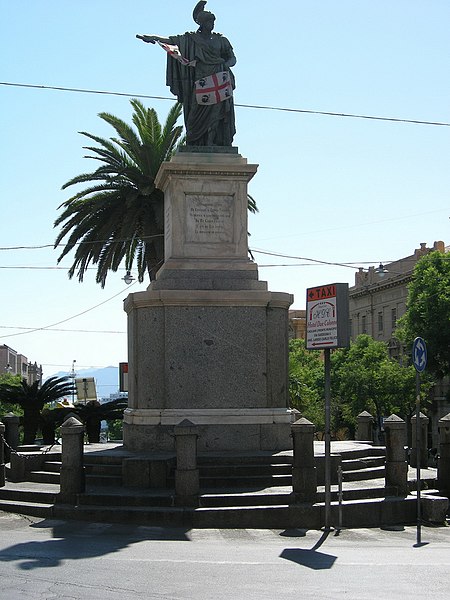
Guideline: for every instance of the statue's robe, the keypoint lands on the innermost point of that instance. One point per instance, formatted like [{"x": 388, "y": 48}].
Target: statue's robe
[{"x": 205, "y": 124}]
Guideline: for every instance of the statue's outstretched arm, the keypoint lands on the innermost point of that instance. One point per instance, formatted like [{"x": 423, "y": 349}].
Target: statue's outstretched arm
[{"x": 153, "y": 38}]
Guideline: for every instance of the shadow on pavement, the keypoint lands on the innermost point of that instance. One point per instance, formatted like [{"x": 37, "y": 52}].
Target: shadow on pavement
[
  {"x": 311, "y": 558},
  {"x": 77, "y": 540}
]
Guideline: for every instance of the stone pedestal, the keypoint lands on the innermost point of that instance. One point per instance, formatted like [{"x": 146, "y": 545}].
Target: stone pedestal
[
  {"x": 364, "y": 428},
  {"x": 423, "y": 435},
  {"x": 2, "y": 455},
  {"x": 304, "y": 472},
  {"x": 207, "y": 342},
  {"x": 396, "y": 464},
  {"x": 444, "y": 456},
  {"x": 72, "y": 469}
]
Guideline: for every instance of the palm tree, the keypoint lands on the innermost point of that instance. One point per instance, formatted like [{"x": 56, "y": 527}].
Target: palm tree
[
  {"x": 32, "y": 398},
  {"x": 93, "y": 413},
  {"x": 121, "y": 216}
]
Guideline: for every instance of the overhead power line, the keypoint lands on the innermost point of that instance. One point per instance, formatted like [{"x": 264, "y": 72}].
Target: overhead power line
[
  {"x": 68, "y": 318},
  {"x": 253, "y": 106}
]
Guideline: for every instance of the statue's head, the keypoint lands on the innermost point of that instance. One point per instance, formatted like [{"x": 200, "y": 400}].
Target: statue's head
[{"x": 201, "y": 16}]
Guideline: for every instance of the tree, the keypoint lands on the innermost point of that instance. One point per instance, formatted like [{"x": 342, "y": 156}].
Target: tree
[
  {"x": 364, "y": 377},
  {"x": 428, "y": 311},
  {"x": 93, "y": 413},
  {"x": 7, "y": 378},
  {"x": 120, "y": 215},
  {"x": 306, "y": 382},
  {"x": 32, "y": 399}
]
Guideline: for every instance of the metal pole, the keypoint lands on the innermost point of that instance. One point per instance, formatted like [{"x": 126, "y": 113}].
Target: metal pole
[
  {"x": 341, "y": 495},
  {"x": 327, "y": 439},
  {"x": 418, "y": 446}
]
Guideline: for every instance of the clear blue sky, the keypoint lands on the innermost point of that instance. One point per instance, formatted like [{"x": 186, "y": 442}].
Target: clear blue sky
[{"x": 330, "y": 188}]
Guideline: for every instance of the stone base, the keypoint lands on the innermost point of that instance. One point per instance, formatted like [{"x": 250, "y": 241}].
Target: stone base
[{"x": 229, "y": 431}]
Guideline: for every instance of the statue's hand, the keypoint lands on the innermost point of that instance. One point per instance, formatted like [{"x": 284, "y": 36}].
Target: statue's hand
[{"x": 146, "y": 38}]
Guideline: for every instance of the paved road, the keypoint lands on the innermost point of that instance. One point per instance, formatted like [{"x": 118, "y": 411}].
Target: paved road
[{"x": 46, "y": 560}]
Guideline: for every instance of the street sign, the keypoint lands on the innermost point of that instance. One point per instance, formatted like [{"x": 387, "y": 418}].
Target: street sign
[
  {"x": 327, "y": 318},
  {"x": 419, "y": 354}
]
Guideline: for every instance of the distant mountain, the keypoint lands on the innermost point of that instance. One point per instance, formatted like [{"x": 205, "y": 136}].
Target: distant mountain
[{"x": 106, "y": 379}]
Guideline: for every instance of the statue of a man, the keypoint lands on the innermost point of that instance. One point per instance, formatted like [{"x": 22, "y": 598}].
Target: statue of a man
[{"x": 199, "y": 74}]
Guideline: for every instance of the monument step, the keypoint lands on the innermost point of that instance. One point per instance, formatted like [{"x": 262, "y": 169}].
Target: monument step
[
  {"x": 244, "y": 499},
  {"x": 257, "y": 481},
  {"x": 242, "y": 470},
  {"x": 140, "y": 515},
  {"x": 43, "y": 477},
  {"x": 244, "y": 459},
  {"x": 354, "y": 464},
  {"x": 103, "y": 480},
  {"x": 27, "y": 496},
  {"x": 33, "y": 509},
  {"x": 364, "y": 474},
  {"x": 52, "y": 466},
  {"x": 103, "y": 469},
  {"x": 138, "y": 498}
]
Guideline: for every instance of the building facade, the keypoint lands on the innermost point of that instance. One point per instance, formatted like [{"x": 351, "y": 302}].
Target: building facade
[
  {"x": 15, "y": 363},
  {"x": 378, "y": 300}
]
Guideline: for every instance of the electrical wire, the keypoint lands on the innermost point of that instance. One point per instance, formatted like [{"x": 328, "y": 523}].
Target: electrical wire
[
  {"x": 69, "y": 318},
  {"x": 253, "y": 106}
]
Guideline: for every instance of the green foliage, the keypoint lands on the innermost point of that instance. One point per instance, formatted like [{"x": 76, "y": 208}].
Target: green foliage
[
  {"x": 6, "y": 407},
  {"x": 306, "y": 382},
  {"x": 32, "y": 399},
  {"x": 120, "y": 215},
  {"x": 366, "y": 378},
  {"x": 115, "y": 430},
  {"x": 428, "y": 311},
  {"x": 363, "y": 377}
]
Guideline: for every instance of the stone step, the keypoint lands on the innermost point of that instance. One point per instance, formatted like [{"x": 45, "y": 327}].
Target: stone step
[
  {"x": 32, "y": 509},
  {"x": 364, "y": 474},
  {"x": 103, "y": 469},
  {"x": 354, "y": 464},
  {"x": 43, "y": 477},
  {"x": 243, "y": 470},
  {"x": 23, "y": 495},
  {"x": 52, "y": 466},
  {"x": 137, "y": 499},
  {"x": 243, "y": 459},
  {"x": 248, "y": 481},
  {"x": 244, "y": 499},
  {"x": 140, "y": 515},
  {"x": 103, "y": 480}
]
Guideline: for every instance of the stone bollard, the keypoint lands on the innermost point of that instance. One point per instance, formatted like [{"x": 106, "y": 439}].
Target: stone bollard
[
  {"x": 443, "y": 473},
  {"x": 396, "y": 463},
  {"x": 423, "y": 424},
  {"x": 304, "y": 472},
  {"x": 72, "y": 468},
  {"x": 187, "y": 480},
  {"x": 11, "y": 422},
  {"x": 364, "y": 427},
  {"x": 2, "y": 455}
]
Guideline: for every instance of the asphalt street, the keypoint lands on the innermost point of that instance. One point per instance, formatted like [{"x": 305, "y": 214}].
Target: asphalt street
[{"x": 49, "y": 559}]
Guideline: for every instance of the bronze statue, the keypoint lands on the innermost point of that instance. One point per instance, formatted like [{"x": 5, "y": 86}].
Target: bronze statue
[{"x": 199, "y": 75}]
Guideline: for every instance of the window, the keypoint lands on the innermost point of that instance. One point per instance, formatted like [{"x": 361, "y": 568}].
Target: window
[
  {"x": 380, "y": 321},
  {"x": 364, "y": 324},
  {"x": 393, "y": 318}
]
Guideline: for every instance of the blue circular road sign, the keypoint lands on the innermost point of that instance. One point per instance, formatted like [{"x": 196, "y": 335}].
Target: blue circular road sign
[{"x": 419, "y": 354}]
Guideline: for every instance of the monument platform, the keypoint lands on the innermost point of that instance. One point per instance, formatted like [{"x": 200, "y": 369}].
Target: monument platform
[{"x": 207, "y": 341}]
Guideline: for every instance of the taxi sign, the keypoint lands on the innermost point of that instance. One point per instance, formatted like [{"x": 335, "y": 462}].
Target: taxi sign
[{"x": 327, "y": 316}]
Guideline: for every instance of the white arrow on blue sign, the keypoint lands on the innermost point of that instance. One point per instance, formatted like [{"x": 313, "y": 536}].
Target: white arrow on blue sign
[{"x": 419, "y": 354}]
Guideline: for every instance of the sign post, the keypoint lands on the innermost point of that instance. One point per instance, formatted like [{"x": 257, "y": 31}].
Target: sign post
[
  {"x": 327, "y": 327},
  {"x": 419, "y": 358}
]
